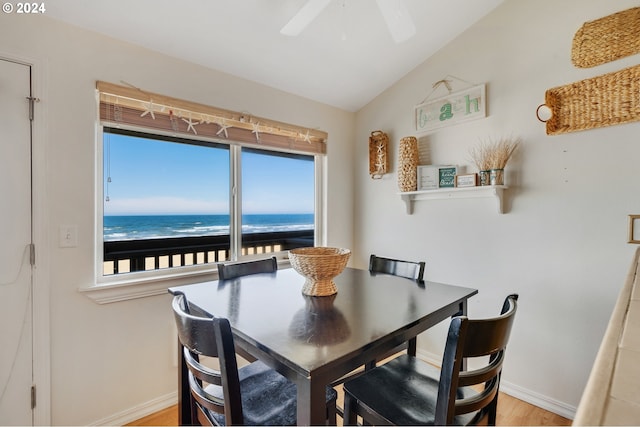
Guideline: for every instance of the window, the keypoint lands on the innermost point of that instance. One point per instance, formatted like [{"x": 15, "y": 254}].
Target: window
[
  {"x": 186, "y": 184},
  {"x": 169, "y": 201},
  {"x": 278, "y": 198}
]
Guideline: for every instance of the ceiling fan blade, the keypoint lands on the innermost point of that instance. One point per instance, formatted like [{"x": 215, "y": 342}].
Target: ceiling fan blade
[
  {"x": 398, "y": 20},
  {"x": 305, "y": 15}
]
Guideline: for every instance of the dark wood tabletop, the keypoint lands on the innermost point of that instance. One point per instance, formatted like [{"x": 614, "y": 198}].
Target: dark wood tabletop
[{"x": 315, "y": 340}]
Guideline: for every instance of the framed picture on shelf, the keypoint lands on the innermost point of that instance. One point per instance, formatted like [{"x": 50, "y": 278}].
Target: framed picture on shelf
[
  {"x": 432, "y": 177},
  {"x": 447, "y": 176},
  {"x": 467, "y": 180},
  {"x": 428, "y": 177}
]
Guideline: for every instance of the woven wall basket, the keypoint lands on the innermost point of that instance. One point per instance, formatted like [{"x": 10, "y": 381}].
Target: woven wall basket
[
  {"x": 606, "y": 100},
  {"x": 378, "y": 154},
  {"x": 607, "y": 39}
]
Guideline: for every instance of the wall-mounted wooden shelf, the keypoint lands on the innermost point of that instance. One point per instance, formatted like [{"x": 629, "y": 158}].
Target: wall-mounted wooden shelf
[{"x": 455, "y": 193}]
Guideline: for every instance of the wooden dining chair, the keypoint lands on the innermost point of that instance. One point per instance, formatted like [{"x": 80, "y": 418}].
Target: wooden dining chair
[
  {"x": 409, "y": 269},
  {"x": 408, "y": 391},
  {"x": 252, "y": 395},
  {"x": 234, "y": 270},
  {"x": 237, "y": 269}
]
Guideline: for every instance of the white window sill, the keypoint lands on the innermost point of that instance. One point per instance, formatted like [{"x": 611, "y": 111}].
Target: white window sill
[{"x": 145, "y": 284}]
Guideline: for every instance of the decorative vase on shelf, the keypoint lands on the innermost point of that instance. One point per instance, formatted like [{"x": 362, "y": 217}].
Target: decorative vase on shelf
[
  {"x": 496, "y": 177},
  {"x": 484, "y": 177},
  {"x": 408, "y": 164}
]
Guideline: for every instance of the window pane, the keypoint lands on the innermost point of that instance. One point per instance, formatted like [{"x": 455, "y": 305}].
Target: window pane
[
  {"x": 157, "y": 190},
  {"x": 278, "y": 201},
  {"x": 167, "y": 203}
]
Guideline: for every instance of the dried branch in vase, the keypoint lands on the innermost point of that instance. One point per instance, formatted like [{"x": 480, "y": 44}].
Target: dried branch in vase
[{"x": 493, "y": 154}]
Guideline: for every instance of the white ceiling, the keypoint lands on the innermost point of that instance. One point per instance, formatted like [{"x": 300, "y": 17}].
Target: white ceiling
[{"x": 242, "y": 37}]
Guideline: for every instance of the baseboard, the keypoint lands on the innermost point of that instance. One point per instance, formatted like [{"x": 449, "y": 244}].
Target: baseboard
[
  {"x": 139, "y": 411},
  {"x": 539, "y": 400},
  {"x": 532, "y": 397},
  {"x": 427, "y": 356}
]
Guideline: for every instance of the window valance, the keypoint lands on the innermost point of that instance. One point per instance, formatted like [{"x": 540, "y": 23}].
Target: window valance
[{"x": 121, "y": 105}]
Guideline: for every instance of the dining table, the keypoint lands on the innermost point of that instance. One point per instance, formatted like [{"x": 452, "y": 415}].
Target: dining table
[{"x": 316, "y": 340}]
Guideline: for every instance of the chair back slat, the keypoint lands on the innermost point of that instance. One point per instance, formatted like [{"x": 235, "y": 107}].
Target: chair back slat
[
  {"x": 479, "y": 400},
  {"x": 488, "y": 336},
  {"x": 408, "y": 269},
  {"x": 200, "y": 371},
  {"x": 207, "y": 400},
  {"x": 485, "y": 373},
  {"x": 238, "y": 269}
]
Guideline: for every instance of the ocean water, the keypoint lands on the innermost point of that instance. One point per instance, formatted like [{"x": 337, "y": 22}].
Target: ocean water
[{"x": 132, "y": 227}]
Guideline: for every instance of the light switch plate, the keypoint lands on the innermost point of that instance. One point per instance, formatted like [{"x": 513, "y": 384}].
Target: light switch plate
[{"x": 68, "y": 236}]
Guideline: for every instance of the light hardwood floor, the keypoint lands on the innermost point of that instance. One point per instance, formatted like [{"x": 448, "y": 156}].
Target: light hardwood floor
[{"x": 511, "y": 412}]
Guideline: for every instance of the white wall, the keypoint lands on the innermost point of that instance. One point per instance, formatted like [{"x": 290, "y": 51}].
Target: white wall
[
  {"x": 107, "y": 360},
  {"x": 562, "y": 243}
]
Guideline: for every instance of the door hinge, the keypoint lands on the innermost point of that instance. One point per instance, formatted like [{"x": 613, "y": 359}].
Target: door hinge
[
  {"x": 32, "y": 102},
  {"x": 33, "y": 396},
  {"x": 32, "y": 254}
]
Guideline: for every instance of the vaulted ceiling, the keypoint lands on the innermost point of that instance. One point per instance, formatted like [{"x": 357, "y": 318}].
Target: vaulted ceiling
[{"x": 345, "y": 57}]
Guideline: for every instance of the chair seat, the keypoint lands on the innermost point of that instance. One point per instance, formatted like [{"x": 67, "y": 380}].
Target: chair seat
[
  {"x": 268, "y": 398},
  {"x": 403, "y": 390}
]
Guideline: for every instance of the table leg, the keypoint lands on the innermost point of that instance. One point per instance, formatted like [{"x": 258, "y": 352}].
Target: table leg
[
  {"x": 462, "y": 308},
  {"x": 312, "y": 407},
  {"x": 412, "y": 346},
  {"x": 463, "y": 312}
]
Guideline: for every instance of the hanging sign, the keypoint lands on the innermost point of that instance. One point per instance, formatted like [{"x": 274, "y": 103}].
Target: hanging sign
[{"x": 456, "y": 107}]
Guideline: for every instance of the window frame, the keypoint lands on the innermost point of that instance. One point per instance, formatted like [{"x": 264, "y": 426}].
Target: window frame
[{"x": 119, "y": 287}]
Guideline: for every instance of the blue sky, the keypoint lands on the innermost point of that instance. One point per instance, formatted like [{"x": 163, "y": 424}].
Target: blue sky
[{"x": 156, "y": 177}]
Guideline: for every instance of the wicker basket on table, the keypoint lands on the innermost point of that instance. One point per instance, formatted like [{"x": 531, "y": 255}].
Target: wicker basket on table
[{"x": 319, "y": 265}]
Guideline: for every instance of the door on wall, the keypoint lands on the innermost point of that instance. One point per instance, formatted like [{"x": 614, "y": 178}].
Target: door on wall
[{"x": 16, "y": 316}]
